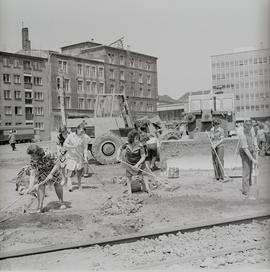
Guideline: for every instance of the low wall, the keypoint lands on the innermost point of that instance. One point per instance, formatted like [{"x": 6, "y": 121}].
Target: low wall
[{"x": 195, "y": 154}]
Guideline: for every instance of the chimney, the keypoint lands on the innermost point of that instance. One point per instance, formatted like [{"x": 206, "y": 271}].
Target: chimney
[{"x": 26, "y": 44}]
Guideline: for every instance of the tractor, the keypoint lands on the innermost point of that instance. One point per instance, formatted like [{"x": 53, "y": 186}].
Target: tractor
[{"x": 108, "y": 128}]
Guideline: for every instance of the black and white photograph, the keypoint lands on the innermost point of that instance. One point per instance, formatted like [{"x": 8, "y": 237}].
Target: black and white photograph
[{"x": 134, "y": 135}]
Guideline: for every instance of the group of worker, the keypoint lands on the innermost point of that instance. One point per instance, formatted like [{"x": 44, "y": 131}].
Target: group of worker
[
  {"x": 248, "y": 151},
  {"x": 73, "y": 155}
]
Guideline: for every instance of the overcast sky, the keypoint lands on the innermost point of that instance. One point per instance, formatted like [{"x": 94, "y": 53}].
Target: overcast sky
[{"x": 183, "y": 34}]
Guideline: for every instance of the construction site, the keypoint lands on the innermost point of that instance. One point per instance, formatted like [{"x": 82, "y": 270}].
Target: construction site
[{"x": 189, "y": 220}]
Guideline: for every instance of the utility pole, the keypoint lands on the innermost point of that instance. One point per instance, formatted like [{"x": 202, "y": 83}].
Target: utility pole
[{"x": 60, "y": 87}]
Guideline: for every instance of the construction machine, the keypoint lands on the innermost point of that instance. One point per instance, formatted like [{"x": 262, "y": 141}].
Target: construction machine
[
  {"x": 203, "y": 108},
  {"x": 108, "y": 128}
]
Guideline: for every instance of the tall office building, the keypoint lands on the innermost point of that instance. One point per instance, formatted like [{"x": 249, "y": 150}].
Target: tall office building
[{"x": 247, "y": 75}]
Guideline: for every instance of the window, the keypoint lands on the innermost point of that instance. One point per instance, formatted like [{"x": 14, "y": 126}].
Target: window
[
  {"x": 122, "y": 89},
  {"x": 18, "y": 123},
  {"x": 140, "y": 78},
  {"x": 141, "y": 92},
  {"x": 132, "y": 76},
  {"x": 247, "y": 96},
  {"x": 88, "y": 84},
  {"x": 241, "y": 73},
  {"x": 39, "y": 125},
  {"x": 28, "y": 95},
  {"x": 111, "y": 74},
  {"x": 80, "y": 86},
  {"x": 6, "y": 78},
  {"x": 255, "y": 60},
  {"x": 8, "y": 110},
  {"x": 62, "y": 65},
  {"x": 67, "y": 102},
  {"x": 27, "y": 79},
  {"x": 122, "y": 60},
  {"x": 262, "y": 107},
  {"x": 38, "y": 96},
  {"x": 246, "y": 73},
  {"x": 252, "y": 107},
  {"x": 213, "y": 65},
  {"x": 100, "y": 72},
  {"x": 267, "y": 95},
  {"x": 257, "y": 107},
  {"x": 88, "y": 104},
  {"x": 26, "y": 65},
  {"x": 18, "y": 110},
  {"x": 148, "y": 66},
  {"x": 66, "y": 85},
  {"x": 261, "y": 95},
  {"x": 260, "y": 59},
  {"x": 39, "y": 111},
  {"x": 122, "y": 75},
  {"x": 267, "y": 106},
  {"x": 111, "y": 57},
  {"x": 245, "y": 61},
  {"x": 38, "y": 81},
  {"x": 237, "y": 97},
  {"x": 7, "y": 94},
  {"x": 81, "y": 103},
  {"x": 265, "y": 59},
  {"x": 247, "y": 107},
  {"x": 131, "y": 62},
  {"x": 140, "y": 63},
  {"x": 8, "y": 124},
  {"x": 16, "y": 63},
  {"x": 35, "y": 65},
  {"x": 149, "y": 93},
  {"x": 79, "y": 69},
  {"x": 93, "y": 71},
  {"x": 149, "y": 79},
  {"x": 241, "y": 62},
  {"x": 17, "y": 79},
  {"x": 6, "y": 62},
  {"x": 101, "y": 87},
  {"x": 94, "y": 87},
  {"x": 87, "y": 69},
  {"x": 112, "y": 88},
  {"x": 18, "y": 95}
]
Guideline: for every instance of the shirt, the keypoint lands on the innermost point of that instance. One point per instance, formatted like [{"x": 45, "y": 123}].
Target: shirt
[
  {"x": 216, "y": 135},
  {"x": 261, "y": 135},
  {"x": 248, "y": 141},
  {"x": 43, "y": 166},
  {"x": 133, "y": 155},
  {"x": 75, "y": 152}
]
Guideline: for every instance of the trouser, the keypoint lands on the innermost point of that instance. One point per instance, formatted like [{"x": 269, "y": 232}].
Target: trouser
[
  {"x": 13, "y": 146},
  {"x": 218, "y": 162},
  {"x": 246, "y": 171},
  {"x": 262, "y": 146}
]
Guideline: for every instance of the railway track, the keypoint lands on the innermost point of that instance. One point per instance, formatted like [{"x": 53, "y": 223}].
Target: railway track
[{"x": 150, "y": 235}]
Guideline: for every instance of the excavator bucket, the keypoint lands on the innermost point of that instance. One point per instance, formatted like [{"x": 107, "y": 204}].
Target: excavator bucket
[{"x": 195, "y": 154}]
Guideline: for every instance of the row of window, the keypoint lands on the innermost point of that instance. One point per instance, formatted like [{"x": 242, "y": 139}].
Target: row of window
[
  {"x": 90, "y": 104},
  {"x": 18, "y": 110},
  {"x": 253, "y": 107},
  {"x": 252, "y": 95},
  {"x": 87, "y": 70},
  {"x": 131, "y": 61},
  {"x": 27, "y": 64},
  {"x": 255, "y": 60},
  {"x": 123, "y": 77},
  {"x": 39, "y": 125},
  {"x": 38, "y": 96},
  {"x": 243, "y": 85},
  {"x": 26, "y": 79},
  {"x": 256, "y": 72}
]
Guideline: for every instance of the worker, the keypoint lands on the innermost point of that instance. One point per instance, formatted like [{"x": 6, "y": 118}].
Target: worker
[
  {"x": 12, "y": 139},
  {"x": 248, "y": 149},
  {"x": 217, "y": 149},
  {"x": 132, "y": 154},
  {"x": 76, "y": 156},
  {"x": 44, "y": 168},
  {"x": 87, "y": 141},
  {"x": 261, "y": 139}
]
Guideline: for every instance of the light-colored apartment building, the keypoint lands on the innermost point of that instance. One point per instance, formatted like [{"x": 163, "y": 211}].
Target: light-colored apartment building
[{"x": 246, "y": 74}]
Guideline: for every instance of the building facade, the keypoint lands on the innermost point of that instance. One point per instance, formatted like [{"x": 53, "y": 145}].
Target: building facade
[
  {"x": 246, "y": 75},
  {"x": 25, "y": 90},
  {"x": 82, "y": 78},
  {"x": 131, "y": 73}
]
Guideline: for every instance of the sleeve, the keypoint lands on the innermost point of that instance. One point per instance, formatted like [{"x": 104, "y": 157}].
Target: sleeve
[{"x": 243, "y": 142}]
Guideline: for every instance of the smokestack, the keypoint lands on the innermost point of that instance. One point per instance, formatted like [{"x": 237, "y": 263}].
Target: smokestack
[{"x": 26, "y": 44}]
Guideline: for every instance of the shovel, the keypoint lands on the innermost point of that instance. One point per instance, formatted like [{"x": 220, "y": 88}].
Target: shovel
[{"x": 254, "y": 190}]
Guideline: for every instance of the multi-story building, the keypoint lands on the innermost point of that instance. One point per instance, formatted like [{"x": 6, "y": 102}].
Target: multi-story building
[
  {"x": 83, "y": 79},
  {"x": 128, "y": 72},
  {"x": 247, "y": 75},
  {"x": 24, "y": 91}
]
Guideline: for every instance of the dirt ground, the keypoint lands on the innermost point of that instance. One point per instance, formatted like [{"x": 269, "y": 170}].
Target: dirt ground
[{"x": 103, "y": 209}]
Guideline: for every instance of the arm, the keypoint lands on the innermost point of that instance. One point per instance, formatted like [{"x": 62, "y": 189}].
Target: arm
[
  {"x": 31, "y": 181},
  {"x": 221, "y": 138},
  {"x": 68, "y": 143},
  {"x": 250, "y": 156},
  {"x": 143, "y": 157},
  {"x": 119, "y": 153}
]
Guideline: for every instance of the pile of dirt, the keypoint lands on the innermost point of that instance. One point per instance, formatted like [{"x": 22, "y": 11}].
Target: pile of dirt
[{"x": 122, "y": 205}]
